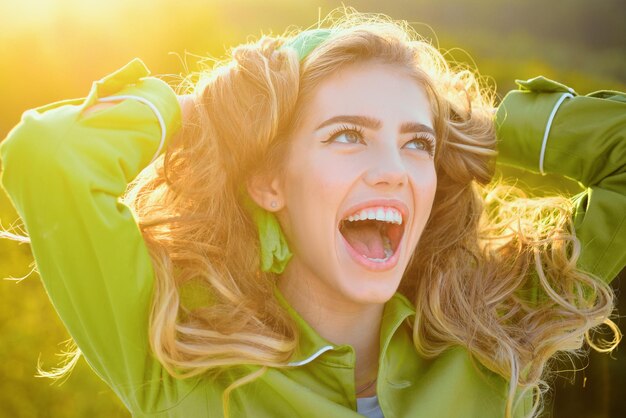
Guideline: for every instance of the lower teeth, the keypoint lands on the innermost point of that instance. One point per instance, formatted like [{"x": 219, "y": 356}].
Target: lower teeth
[{"x": 387, "y": 250}]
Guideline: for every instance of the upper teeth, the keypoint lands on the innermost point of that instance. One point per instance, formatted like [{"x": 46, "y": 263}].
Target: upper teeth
[{"x": 391, "y": 215}]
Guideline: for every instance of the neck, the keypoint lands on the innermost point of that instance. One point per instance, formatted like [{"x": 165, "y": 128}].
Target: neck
[{"x": 340, "y": 322}]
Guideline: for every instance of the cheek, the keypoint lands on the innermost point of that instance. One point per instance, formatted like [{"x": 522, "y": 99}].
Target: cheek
[
  {"x": 424, "y": 188},
  {"x": 424, "y": 179},
  {"x": 319, "y": 181},
  {"x": 313, "y": 193},
  {"x": 315, "y": 189}
]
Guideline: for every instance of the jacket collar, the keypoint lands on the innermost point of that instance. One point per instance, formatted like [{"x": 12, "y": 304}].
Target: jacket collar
[{"x": 311, "y": 345}]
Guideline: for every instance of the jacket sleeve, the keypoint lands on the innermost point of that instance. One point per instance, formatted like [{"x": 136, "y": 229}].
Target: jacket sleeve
[
  {"x": 546, "y": 127},
  {"x": 64, "y": 172}
]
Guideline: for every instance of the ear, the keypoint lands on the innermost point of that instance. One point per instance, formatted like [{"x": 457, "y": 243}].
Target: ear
[{"x": 266, "y": 191}]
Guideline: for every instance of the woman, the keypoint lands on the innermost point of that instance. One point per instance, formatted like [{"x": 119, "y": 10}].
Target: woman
[{"x": 315, "y": 193}]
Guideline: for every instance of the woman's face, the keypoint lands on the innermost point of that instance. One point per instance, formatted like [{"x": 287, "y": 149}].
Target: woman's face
[{"x": 359, "y": 184}]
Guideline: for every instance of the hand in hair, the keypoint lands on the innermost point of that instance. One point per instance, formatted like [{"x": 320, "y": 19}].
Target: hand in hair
[{"x": 186, "y": 103}]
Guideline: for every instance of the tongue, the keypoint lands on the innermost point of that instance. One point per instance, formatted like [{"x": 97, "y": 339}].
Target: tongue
[{"x": 366, "y": 239}]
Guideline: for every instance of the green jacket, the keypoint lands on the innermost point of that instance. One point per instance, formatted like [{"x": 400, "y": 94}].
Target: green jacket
[{"x": 64, "y": 173}]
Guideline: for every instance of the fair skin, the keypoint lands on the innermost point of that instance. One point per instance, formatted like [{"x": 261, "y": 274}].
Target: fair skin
[
  {"x": 343, "y": 271},
  {"x": 339, "y": 279}
]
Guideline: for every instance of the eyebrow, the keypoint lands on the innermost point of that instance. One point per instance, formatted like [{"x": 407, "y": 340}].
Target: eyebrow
[{"x": 375, "y": 124}]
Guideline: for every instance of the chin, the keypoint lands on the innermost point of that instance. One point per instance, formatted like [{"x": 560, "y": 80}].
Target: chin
[{"x": 373, "y": 290}]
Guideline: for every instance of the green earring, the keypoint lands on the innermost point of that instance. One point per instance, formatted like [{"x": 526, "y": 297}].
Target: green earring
[{"x": 275, "y": 253}]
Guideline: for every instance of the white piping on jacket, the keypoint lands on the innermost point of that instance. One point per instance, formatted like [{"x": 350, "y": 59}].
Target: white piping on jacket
[
  {"x": 151, "y": 106},
  {"x": 547, "y": 131},
  {"x": 312, "y": 357}
]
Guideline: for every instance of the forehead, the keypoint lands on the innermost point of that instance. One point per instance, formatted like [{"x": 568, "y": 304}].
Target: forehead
[{"x": 370, "y": 89}]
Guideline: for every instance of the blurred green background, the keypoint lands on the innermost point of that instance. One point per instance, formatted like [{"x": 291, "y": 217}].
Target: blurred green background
[{"x": 53, "y": 49}]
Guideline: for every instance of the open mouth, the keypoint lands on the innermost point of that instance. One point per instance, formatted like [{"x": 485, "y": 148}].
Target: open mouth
[{"x": 373, "y": 235}]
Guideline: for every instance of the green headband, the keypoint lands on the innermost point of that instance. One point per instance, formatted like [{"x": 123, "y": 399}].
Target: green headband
[
  {"x": 275, "y": 253},
  {"x": 307, "y": 41}
]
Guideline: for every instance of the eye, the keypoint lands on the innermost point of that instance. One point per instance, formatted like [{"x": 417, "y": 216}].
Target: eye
[
  {"x": 346, "y": 135},
  {"x": 422, "y": 143}
]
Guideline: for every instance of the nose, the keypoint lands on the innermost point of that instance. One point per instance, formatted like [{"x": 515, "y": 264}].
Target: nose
[{"x": 387, "y": 170}]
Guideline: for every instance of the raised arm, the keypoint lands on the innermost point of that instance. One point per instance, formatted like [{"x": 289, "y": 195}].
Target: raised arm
[
  {"x": 64, "y": 167},
  {"x": 546, "y": 127}
]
